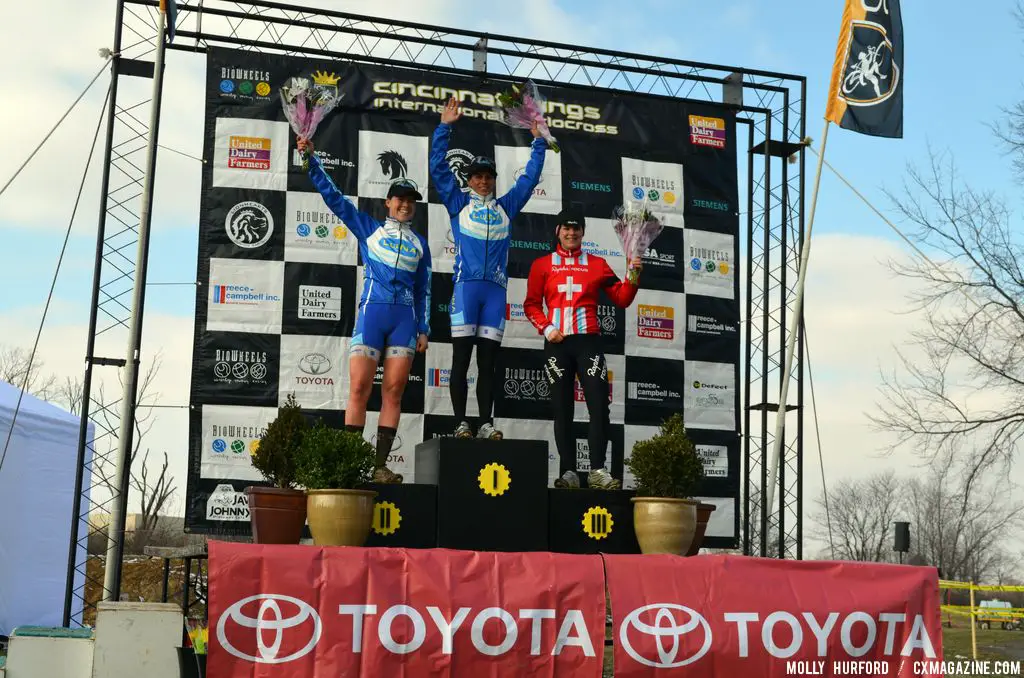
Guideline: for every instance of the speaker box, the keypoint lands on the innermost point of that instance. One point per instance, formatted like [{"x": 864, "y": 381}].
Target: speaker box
[
  {"x": 902, "y": 537},
  {"x": 591, "y": 521},
  {"x": 404, "y": 516},
  {"x": 492, "y": 495}
]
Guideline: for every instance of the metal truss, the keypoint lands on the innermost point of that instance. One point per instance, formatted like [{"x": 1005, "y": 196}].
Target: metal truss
[{"x": 771, "y": 105}]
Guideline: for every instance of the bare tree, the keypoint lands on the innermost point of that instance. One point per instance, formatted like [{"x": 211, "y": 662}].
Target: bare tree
[
  {"x": 15, "y": 366},
  {"x": 862, "y": 512},
  {"x": 962, "y": 525},
  {"x": 966, "y": 390}
]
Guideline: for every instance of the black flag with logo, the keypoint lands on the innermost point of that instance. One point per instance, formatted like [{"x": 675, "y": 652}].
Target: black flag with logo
[{"x": 866, "y": 94}]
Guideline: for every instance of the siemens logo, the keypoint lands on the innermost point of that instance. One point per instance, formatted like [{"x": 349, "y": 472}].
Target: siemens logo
[
  {"x": 529, "y": 245},
  {"x": 585, "y": 186},
  {"x": 716, "y": 205}
]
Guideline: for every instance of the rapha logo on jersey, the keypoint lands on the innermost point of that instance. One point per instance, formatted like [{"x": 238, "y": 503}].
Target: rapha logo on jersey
[
  {"x": 232, "y": 366},
  {"x": 393, "y": 165},
  {"x": 667, "y": 643},
  {"x": 458, "y": 160},
  {"x": 244, "y": 628},
  {"x": 317, "y": 302},
  {"x": 871, "y": 74},
  {"x": 224, "y": 503},
  {"x": 249, "y": 224}
]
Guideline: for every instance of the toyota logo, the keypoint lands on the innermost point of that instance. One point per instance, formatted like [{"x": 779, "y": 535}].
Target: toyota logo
[
  {"x": 665, "y": 627},
  {"x": 269, "y": 621}
]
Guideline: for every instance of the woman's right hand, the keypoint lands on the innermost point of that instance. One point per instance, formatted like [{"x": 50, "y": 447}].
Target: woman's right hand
[
  {"x": 304, "y": 145},
  {"x": 450, "y": 113},
  {"x": 556, "y": 337}
]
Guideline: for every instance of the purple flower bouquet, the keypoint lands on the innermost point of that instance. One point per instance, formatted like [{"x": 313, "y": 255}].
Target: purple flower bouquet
[
  {"x": 523, "y": 105},
  {"x": 307, "y": 102},
  {"x": 637, "y": 227}
]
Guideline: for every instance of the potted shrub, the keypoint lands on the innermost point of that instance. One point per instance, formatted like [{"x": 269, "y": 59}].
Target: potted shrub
[
  {"x": 278, "y": 513},
  {"x": 668, "y": 472},
  {"x": 334, "y": 466}
]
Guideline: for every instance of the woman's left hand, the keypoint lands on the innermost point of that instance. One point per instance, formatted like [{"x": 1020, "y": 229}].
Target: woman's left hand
[
  {"x": 637, "y": 263},
  {"x": 421, "y": 343}
]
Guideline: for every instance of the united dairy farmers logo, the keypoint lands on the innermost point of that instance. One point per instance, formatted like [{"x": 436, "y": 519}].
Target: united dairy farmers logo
[
  {"x": 249, "y": 153},
  {"x": 655, "y": 322},
  {"x": 708, "y": 132}
]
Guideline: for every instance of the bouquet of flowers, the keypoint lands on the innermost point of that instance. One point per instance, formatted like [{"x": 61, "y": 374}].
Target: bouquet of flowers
[
  {"x": 637, "y": 227},
  {"x": 307, "y": 102},
  {"x": 198, "y": 635},
  {"x": 522, "y": 106}
]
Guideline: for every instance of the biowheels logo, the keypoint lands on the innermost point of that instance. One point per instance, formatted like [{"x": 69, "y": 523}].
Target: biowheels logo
[{"x": 256, "y": 628}]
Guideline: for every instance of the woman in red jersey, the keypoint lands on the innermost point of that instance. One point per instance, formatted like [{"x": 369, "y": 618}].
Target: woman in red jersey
[{"x": 568, "y": 281}]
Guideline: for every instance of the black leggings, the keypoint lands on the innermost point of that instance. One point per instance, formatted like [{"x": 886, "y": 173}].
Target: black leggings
[
  {"x": 487, "y": 364},
  {"x": 578, "y": 355}
]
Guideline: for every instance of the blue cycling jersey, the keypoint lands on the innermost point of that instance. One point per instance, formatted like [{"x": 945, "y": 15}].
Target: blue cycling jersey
[
  {"x": 396, "y": 259},
  {"x": 481, "y": 224}
]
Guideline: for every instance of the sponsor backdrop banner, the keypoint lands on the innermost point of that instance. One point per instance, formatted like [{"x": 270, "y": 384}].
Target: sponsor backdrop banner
[
  {"x": 285, "y": 611},
  {"x": 280, "y": 275},
  {"x": 304, "y": 612},
  {"x": 737, "y": 616}
]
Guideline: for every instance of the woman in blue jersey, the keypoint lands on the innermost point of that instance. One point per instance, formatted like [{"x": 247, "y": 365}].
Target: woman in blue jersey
[
  {"x": 481, "y": 227},
  {"x": 394, "y": 309}
]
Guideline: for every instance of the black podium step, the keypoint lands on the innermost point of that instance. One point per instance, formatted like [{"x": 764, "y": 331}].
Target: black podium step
[
  {"x": 591, "y": 521},
  {"x": 491, "y": 494},
  {"x": 404, "y": 516}
]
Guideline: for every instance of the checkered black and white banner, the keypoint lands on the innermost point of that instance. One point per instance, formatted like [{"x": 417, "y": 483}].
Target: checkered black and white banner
[{"x": 280, "y": 274}]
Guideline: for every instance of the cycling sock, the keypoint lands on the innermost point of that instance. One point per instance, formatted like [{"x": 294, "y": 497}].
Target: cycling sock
[
  {"x": 458, "y": 385},
  {"x": 355, "y": 428},
  {"x": 486, "y": 362},
  {"x": 385, "y": 438}
]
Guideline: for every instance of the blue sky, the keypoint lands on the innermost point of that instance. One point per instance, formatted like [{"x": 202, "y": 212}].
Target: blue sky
[{"x": 955, "y": 88}]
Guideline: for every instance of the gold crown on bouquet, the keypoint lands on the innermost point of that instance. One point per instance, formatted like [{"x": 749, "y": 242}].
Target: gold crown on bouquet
[{"x": 323, "y": 78}]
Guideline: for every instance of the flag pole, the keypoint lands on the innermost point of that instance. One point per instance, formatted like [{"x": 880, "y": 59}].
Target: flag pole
[
  {"x": 122, "y": 461},
  {"x": 794, "y": 327}
]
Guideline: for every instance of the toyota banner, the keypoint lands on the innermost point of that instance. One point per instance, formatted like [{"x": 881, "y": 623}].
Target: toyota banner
[{"x": 312, "y": 612}]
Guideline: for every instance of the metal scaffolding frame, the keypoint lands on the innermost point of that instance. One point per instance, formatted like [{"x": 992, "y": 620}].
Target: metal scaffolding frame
[{"x": 770, "y": 105}]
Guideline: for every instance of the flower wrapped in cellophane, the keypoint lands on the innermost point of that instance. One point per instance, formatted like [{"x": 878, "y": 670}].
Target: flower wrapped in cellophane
[
  {"x": 523, "y": 105},
  {"x": 637, "y": 227},
  {"x": 307, "y": 101},
  {"x": 198, "y": 635}
]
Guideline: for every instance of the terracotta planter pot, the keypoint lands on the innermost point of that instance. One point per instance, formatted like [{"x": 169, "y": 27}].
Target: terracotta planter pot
[
  {"x": 340, "y": 517},
  {"x": 664, "y": 525},
  {"x": 277, "y": 515},
  {"x": 704, "y": 512}
]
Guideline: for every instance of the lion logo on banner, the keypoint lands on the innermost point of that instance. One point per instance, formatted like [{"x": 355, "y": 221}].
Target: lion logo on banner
[{"x": 393, "y": 165}]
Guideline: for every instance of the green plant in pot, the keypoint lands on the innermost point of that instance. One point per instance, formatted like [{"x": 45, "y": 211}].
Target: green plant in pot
[
  {"x": 668, "y": 472},
  {"x": 335, "y": 466},
  {"x": 278, "y": 513}
]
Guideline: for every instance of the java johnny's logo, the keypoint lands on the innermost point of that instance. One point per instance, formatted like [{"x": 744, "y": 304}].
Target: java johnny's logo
[{"x": 871, "y": 73}]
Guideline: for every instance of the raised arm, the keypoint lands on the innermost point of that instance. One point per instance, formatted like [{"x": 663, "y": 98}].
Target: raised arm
[
  {"x": 520, "y": 193},
  {"x": 621, "y": 292},
  {"x": 360, "y": 223},
  {"x": 421, "y": 290},
  {"x": 444, "y": 179}
]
